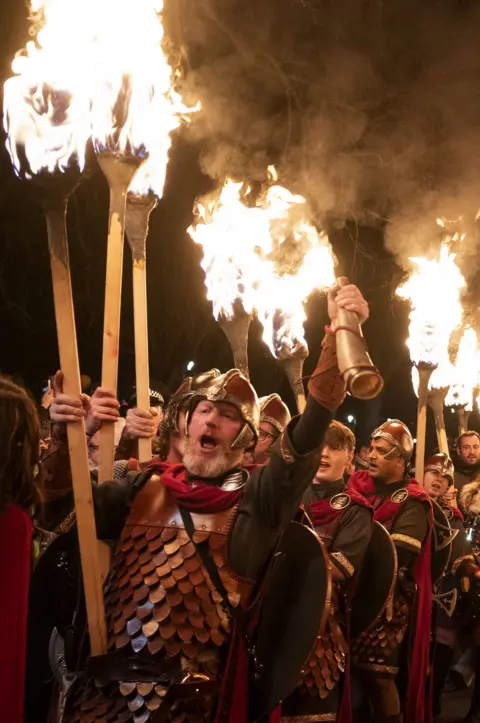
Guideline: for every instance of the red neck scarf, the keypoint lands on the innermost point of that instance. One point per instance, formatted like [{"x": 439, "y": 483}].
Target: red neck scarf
[
  {"x": 322, "y": 513},
  {"x": 415, "y": 708},
  {"x": 15, "y": 554},
  {"x": 195, "y": 496}
]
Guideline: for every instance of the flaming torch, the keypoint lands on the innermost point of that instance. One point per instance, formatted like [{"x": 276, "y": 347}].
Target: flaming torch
[
  {"x": 465, "y": 374},
  {"x": 437, "y": 392},
  {"x": 234, "y": 238},
  {"x": 46, "y": 118},
  {"x": 130, "y": 119},
  {"x": 434, "y": 294},
  {"x": 146, "y": 188}
]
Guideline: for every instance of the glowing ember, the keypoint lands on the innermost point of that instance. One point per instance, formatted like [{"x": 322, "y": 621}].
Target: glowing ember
[
  {"x": 434, "y": 294},
  {"x": 267, "y": 256},
  {"x": 465, "y": 372}
]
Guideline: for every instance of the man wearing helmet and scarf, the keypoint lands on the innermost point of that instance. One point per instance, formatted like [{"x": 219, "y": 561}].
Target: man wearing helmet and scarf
[
  {"x": 193, "y": 542},
  {"x": 404, "y": 508},
  {"x": 459, "y": 564},
  {"x": 274, "y": 417}
]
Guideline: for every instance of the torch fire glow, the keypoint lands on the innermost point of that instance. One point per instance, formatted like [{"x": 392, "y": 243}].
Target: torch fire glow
[
  {"x": 465, "y": 373},
  {"x": 46, "y": 120},
  {"x": 264, "y": 259},
  {"x": 146, "y": 188},
  {"x": 434, "y": 294}
]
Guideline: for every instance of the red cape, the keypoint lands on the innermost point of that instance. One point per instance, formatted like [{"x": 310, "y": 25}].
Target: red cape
[
  {"x": 15, "y": 555},
  {"x": 415, "y": 708}
]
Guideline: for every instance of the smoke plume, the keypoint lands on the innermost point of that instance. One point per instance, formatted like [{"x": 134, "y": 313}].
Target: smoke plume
[{"x": 370, "y": 109}]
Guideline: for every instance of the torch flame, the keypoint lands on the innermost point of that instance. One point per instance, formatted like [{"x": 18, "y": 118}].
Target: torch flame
[
  {"x": 46, "y": 108},
  {"x": 95, "y": 69},
  {"x": 465, "y": 372},
  {"x": 267, "y": 256},
  {"x": 434, "y": 294}
]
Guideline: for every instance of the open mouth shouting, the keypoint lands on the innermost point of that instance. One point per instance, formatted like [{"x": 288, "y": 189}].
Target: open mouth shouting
[{"x": 208, "y": 443}]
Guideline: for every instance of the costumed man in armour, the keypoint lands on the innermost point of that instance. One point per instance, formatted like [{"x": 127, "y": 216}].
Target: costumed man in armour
[
  {"x": 343, "y": 520},
  {"x": 274, "y": 417},
  {"x": 469, "y": 501},
  {"x": 438, "y": 480},
  {"x": 60, "y": 570},
  {"x": 404, "y": 508},
  {"x": 193, "y": 544}
]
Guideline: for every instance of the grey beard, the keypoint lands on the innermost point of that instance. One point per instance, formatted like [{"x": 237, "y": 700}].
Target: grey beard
[{"x": 207, "y": 468}]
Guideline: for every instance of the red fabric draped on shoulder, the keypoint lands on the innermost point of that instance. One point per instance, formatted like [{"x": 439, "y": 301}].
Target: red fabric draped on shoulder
[
  {"x": 15, "y": 556},
  {"x": 195, "y": 496},
  {"x": 321, "y": 512}
]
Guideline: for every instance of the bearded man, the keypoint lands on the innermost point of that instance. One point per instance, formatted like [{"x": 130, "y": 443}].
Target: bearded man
[{"x": 193, "y": 544}]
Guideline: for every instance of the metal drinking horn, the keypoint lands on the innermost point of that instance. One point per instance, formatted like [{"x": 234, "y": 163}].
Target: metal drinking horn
[{"x": 360, "y": 374}]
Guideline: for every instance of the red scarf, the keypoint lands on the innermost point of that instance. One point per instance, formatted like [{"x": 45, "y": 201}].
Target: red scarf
[
  {"x": 196, "y": 497},
  {"x": 321, "y": 512},
  {"x": 415, "y": 709},
  {"x": 15, "y": 554}
]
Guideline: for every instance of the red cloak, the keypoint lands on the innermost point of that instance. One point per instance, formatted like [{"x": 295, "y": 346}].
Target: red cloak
[{"x": 15, "y": 556}]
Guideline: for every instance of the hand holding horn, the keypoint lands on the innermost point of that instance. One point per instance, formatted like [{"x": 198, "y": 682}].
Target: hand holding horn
[{"x": 348, "y": 310}]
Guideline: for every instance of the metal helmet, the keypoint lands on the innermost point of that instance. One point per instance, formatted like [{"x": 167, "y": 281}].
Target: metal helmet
[
  {"x": 234, "y": 388},
  {"x": 274, "y": 411},
  {"x": 442, "y": 464},
  {"x": 180, "y": 400},
  {"x": 397, "y": 434}
]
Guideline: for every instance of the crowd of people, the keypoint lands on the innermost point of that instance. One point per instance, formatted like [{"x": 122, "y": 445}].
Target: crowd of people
[{"x": 262, "y": 567}]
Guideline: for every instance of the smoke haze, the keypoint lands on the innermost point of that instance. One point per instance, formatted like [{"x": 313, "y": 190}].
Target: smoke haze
[{"x": 369, "y": 109}]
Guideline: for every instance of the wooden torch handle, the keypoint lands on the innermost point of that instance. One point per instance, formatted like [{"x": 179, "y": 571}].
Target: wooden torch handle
[
  {"x": 77, "y": 443},
  {"x": 141, "y": 349},
  {"x": 424, "y": 377},
  {"x": 111, "y": 324}
]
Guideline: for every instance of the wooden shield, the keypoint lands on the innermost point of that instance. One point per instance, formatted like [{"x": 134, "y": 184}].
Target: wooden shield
[
  {"x": 295, "y": 608},
  {"x": 376, "y": 581}
]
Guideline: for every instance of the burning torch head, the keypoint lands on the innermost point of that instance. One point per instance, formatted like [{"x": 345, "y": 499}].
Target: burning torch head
[
  {"x": 398, "y": 435},
  {"x": 274, "y": 411},
  {"x": 235, "y": 389},
  {"x": 442, "y": 464}
]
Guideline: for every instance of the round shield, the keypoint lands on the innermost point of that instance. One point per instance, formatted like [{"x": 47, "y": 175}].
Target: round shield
[
  {"x": 294, "y": 610},
  {"x": 442, "y": 538},
  {"x": 376, "y": 581}
]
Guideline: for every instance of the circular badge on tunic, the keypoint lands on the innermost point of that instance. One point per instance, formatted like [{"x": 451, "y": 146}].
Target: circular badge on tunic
[
  {"x": 399, "y": 496},
  {"x": 340, "y": 501},
  {"x": 235, "y": 481}
]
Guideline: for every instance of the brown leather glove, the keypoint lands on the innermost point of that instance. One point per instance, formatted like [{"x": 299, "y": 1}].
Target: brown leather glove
[{"x": 326, "y": 384}]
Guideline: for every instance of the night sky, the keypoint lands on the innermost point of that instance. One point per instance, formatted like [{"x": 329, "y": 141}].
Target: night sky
[{"x": 181, "y": 327}]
